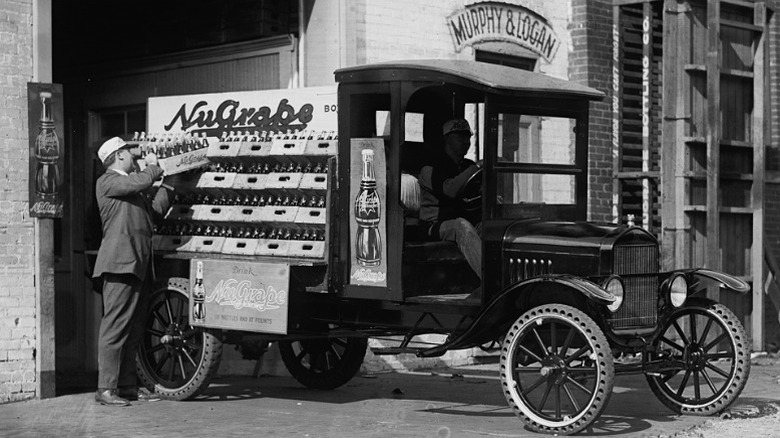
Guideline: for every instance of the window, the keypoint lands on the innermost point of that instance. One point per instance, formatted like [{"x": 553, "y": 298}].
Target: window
[{"x": 535, "y": 160}]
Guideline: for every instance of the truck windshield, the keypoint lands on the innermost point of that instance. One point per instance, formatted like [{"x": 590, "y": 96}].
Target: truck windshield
[{"x": 535, "y": 161}]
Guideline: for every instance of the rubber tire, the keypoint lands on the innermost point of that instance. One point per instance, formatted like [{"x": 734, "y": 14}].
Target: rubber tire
[
  {"x": 741, "y": 373},
  {"x": 340, "y": 373},
  {"x": 600, "y": 347},
  {"x": 208, "y": 362}
]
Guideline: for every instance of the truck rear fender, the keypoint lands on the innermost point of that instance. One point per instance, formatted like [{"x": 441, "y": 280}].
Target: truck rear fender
[{"x": 493, "y": 320}]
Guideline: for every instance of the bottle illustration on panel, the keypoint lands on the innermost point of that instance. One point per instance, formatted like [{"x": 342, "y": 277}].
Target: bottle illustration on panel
[
  {"x": 47, "y": 152},
  {"x": 368, "y": 242},
  {"x": 199, "y": 295}
]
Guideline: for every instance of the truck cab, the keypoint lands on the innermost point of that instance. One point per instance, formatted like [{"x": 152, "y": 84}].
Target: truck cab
[{"x": 538, "y": 168}]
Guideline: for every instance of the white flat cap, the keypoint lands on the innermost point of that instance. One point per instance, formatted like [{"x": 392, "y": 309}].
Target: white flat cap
[{"x": 109, "y": 147}]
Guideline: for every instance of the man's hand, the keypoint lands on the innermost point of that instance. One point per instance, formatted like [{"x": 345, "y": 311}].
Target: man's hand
[{"x": 151, "y": 158}]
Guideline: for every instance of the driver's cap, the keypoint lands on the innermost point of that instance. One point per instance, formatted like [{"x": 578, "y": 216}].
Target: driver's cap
[{"x": 456, "y": 125}]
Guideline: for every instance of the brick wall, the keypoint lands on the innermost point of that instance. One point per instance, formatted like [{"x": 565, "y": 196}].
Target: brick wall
[
  {"x": 17, "y": 247},
  {"x": 590, "y": 63},
  {"x": 397, "y": 30}
]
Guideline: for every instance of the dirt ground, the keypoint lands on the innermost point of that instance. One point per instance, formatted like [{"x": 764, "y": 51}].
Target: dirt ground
[{"x": 745, "y": 421}]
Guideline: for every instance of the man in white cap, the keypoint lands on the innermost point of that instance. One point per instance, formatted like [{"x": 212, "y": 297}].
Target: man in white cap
[
  {"x": 443, "y": 212},
  {"x": 124, "y": 263}
]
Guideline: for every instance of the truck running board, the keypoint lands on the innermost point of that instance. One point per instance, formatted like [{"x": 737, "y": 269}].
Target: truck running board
[{"x": 397, "y": 350}]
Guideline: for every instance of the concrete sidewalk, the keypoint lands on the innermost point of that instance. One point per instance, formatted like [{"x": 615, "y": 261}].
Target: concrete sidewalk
[{"x": 449, "y": 402}]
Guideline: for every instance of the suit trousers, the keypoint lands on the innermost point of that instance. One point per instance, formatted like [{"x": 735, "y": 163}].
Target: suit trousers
[{"x": 125, "y": 301}]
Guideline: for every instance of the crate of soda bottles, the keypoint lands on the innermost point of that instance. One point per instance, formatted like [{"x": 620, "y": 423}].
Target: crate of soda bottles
[{"x": 176, "y": 153}]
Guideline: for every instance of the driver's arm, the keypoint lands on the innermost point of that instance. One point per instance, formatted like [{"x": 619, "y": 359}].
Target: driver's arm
[{"x": 451, "y": 187}]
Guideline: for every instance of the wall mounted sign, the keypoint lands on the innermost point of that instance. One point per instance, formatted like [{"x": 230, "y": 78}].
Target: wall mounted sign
[
  {"x": 296, "y": 109},
  {"x": 368, "y": 236},
  {"x": 44, "y": 108},
  {"x": 496, "y": 21}
]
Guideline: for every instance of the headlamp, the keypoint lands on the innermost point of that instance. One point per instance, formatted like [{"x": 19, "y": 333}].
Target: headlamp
[
  {"x": 614, "y": 285},
  {"x": 678, "y": 290}
]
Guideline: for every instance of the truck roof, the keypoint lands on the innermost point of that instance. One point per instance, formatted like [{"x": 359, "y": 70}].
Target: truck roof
[{"x": 481, "y": 75}]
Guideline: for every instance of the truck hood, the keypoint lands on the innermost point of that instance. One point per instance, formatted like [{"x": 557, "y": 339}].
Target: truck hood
[
  {"x": 567, "y": 234},
  {"x": 578, "y": 248}
]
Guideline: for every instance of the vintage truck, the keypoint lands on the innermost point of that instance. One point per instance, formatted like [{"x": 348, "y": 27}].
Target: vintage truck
[{"x": 285, "y": 236}]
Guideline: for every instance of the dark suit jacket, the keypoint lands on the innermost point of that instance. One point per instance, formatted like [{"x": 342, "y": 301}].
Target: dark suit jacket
[{"x": 126, "y": 247}]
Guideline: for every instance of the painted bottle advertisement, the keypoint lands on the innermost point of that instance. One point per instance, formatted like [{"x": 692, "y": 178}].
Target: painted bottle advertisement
[
  {"x": 199, "y": 296},
  {"x": 368, "y": 242},
  {"x": 47, "y": 152}
]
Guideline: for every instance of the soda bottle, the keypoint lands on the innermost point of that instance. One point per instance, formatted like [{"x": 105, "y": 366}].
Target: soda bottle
[
  {"x": 368, "y": 242},
  {"x": 199, "y": 295},
  {"x": 47, "y": 144},
  {"x": 47, "y": 152},
  {"x": 47, "y": 178}
]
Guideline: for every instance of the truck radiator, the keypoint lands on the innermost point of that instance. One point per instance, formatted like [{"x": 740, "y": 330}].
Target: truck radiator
[{"x": 638, "y": 265}]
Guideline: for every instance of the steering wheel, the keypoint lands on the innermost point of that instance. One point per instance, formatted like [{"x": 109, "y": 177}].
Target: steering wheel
[{"x": 471, "y": 192}]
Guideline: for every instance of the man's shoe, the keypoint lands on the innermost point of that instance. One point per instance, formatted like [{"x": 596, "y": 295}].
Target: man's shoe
[
  {"x": 140, "y": 394},
  {"x": 109, "y": 397}
]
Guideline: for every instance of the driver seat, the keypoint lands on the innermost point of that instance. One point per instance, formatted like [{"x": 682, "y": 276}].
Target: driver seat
[{"x": 429, "y": 267}]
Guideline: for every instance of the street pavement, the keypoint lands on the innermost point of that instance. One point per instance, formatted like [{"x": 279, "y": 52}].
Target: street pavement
[{"x": 442, "y": 403}]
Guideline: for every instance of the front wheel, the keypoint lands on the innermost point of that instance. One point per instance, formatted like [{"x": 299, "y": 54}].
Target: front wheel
[
  {"x": 705, "y": 357},
  {"x": 556, "y": 369},
  {"x": 175, "y": 359}
]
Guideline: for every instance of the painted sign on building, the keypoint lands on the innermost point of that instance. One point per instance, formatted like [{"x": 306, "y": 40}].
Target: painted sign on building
[
  {"x": 44, "y": 108},
  {"x": 496, "y": 21},
  {"x": 299, "y": 109}
]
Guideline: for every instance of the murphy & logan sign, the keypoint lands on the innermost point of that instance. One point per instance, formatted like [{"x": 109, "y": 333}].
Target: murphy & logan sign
[{"x": 496, "y": 21}]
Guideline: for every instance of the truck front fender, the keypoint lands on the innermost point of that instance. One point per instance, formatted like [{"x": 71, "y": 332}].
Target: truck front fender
[
  {"x": 505, "y": 307},
  {"x": 586, "y": 287},
  {"x": 701, "y": 278}
]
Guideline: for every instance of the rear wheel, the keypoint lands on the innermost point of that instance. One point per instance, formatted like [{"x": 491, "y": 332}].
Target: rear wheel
[
  {"x": 556, "y": 369},
  {"x": 323, "y": 363},
  {"x": 175, "y": 359},
  {"x": 707, "y": 359}
]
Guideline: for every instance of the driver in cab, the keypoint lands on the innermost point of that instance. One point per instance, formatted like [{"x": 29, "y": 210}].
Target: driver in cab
[{"x": 443, "y": 212}]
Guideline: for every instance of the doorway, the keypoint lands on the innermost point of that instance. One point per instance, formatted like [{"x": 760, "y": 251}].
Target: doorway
[{"x": 78, "y": 305}]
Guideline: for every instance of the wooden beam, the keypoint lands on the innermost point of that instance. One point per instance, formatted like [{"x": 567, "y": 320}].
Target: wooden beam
[
  {"x": 676, "y": 47},
  {"x": 45, "y": 357},
  {"x": 712, "y": 253},
  {"x": 759, "y": 134}
]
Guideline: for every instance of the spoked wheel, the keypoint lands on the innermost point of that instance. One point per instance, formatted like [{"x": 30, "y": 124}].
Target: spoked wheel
[
  {"x": 556, "y": 369},
  {"x": 174, "y": 358},
  {"x": 323, "y": 363},
  {"x": 706, "y": 356}
]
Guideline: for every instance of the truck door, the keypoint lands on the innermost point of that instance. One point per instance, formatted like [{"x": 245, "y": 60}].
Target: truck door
[{"x": 369, "y": 214}]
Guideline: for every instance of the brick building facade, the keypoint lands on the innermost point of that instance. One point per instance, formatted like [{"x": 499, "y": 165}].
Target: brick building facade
[
  {"x": 18, "y": 293},
  {"x": 326, "y": 35}
]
